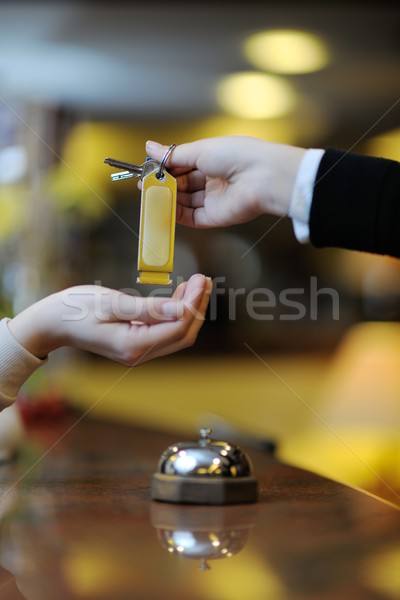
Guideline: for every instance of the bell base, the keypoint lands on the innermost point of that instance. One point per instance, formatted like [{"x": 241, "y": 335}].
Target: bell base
[{"x": 203, "y": 490}]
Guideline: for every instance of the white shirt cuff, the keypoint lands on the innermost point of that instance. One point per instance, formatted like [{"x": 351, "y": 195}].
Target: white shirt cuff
[
  {"x": 300, "y": 202},
  {"x": 16, "y": 363}
]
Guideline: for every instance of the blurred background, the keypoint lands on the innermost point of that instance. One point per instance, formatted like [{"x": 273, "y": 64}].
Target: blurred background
[{"x": 82, "y": 81}]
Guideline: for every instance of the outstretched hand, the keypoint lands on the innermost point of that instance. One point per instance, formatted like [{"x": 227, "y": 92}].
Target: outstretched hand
[{"x": 127, "y": 329}]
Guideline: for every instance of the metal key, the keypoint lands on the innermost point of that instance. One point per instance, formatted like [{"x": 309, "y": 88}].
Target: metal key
[{"x": 131, "y": 170}]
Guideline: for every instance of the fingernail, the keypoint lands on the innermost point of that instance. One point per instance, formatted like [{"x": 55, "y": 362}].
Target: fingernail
[
  {"x": 180, "y": 290},
  {"x": 198, "y": 275},
  {"x": 171, "y": 309},
  {"x": 150, "y": 145}
]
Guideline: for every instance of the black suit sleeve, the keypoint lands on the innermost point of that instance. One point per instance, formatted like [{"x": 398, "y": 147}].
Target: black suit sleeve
[{"x": 356, "y": 203}]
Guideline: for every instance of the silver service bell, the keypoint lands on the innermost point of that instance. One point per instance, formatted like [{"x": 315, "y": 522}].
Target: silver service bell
[{"x": 206, "y": 472}]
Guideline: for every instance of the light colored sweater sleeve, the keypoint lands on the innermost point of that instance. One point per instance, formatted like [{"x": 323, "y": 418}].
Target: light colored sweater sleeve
[{"x": 16, "y": 364}]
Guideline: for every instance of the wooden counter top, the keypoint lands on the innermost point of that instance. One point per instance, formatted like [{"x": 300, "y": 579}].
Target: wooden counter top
[{"x": 77, "y": 522}]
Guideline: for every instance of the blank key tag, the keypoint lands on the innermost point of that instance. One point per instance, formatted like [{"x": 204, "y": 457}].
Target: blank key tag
[
  {"x": 157, "y": 226},
  {"x": 157, "y": 217}
]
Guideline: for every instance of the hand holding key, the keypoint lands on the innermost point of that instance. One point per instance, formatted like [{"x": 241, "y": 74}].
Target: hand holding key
[{"x": 228, "y": 180}]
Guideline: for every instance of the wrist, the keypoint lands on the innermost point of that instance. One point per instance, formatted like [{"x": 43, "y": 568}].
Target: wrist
[
  {"x": 281, "y": 179},
  {"x": 37, "y": 328}
]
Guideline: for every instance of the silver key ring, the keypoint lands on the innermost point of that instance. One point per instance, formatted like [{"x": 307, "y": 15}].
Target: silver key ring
[{"x": 160, "y": 172}]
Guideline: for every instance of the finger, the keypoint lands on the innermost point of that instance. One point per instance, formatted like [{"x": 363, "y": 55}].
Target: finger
[
  {"x": 185, "y": 216},
  {"x": 180, "y": 291},
  {"x": 192, "y": 181},
  {"x": 145, "y": 340},
  {"x": 191, "y": 334},
  {"x": 195, "y": 218},
  {"x": 177, "y": 171},
  {"x": 194, "y": 200},
  {"x": 193, "y": 325},
  {"x": 199, "y": 316},
  {"x": 124, "y": 307}
]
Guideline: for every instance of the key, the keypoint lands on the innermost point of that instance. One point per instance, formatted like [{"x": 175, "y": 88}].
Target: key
[{"x": 131, "y": 170}]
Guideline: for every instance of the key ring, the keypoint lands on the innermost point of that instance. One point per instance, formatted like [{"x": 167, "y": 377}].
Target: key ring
[{"x": 160, "y": 172}]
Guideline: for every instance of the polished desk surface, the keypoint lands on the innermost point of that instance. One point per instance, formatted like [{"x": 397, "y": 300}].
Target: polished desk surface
[{"x": 77, "y": 522}]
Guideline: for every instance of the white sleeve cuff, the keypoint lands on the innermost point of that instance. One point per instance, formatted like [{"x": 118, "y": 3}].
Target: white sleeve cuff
[
  {"x": 16, "y": 363},
  {"x": 300, "y": 202}
]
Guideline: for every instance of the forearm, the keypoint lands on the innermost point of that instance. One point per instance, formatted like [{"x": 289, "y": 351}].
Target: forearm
[{"x": 25, "y": 342}]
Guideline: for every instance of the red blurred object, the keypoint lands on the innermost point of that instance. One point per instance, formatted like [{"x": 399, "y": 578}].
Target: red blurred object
[{"x": 49, "y": 406}]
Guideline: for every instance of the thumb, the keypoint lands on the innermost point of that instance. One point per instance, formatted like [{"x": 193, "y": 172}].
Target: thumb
[
  {"x": 183, "y": 155},
  {"x": 147, "y": 310}
]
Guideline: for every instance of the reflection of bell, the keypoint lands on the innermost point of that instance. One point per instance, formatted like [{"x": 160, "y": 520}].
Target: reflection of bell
[
  {"x": 207, "y": 472},
  {"x": 202, "y": 534}
]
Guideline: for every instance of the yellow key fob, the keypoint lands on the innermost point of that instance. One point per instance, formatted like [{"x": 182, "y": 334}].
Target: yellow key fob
[{"x": 157, "y": 228}]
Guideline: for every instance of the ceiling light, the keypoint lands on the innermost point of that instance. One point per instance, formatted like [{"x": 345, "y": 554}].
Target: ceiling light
[
  {"x": 251, "y": 95},
  {"x": 286, "y": 51}
]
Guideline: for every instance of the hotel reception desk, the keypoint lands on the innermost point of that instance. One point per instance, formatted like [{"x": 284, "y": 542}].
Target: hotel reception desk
[{"x": 78, "y": 522}]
